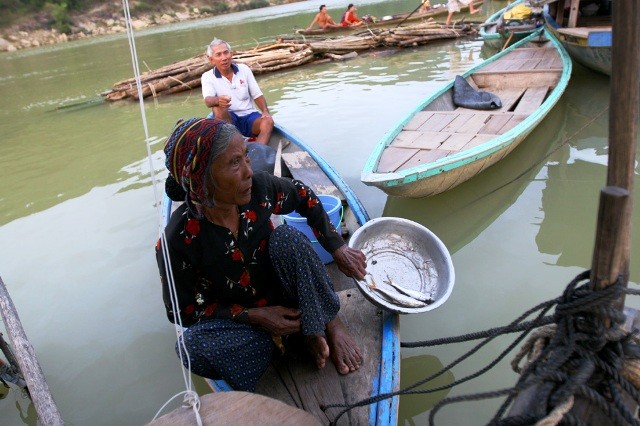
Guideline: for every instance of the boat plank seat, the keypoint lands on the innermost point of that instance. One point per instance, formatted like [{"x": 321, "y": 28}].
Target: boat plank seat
[
  {"x": 295, "y": 378},
  {"x": 583, "y": 32},
  {"x": 531, "y": 100},
  {"x": 303, "y": 168},
  {"x": 491, "y": 81}
]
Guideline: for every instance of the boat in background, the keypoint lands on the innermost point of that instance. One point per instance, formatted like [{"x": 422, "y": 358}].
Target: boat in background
[
  {"x": 441, "y": 144},
  {"x": 585, "y": 34},
  {"x": 299, "y": 383},
  {"x": 436, "y": 10},
  {"x": 500, "y": 31}
]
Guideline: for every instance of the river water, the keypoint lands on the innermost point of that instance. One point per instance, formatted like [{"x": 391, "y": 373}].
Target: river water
[{"x": 79, "y": 219}]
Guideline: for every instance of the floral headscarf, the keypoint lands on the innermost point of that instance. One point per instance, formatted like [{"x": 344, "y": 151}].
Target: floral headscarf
[{"x": 188, "y": 151}]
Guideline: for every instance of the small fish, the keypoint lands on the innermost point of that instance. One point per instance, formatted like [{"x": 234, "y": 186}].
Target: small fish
[
  {"x": 392, "y": 295},
  {"x": 408, "y": 292}
]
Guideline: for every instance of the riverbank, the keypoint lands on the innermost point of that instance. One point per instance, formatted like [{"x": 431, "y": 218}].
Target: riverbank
[{"x": 108, "y": 18}]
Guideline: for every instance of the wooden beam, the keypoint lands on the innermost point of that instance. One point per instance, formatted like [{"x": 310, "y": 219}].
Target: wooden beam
[
  {"x": 46, "y": 408},
  {"x": 573, "y": 13}
]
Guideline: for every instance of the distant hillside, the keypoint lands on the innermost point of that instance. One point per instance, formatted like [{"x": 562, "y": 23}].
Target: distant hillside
[
  {"x": 31, "y": 23},
  {"x": 30, "y": 15}
]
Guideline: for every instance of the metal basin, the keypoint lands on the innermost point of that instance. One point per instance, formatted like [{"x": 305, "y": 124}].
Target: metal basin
[{"x": 408, "y": 254}]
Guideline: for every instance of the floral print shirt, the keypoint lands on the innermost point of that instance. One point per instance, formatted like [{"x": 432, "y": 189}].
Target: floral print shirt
[{"x": 217, "y": 275}]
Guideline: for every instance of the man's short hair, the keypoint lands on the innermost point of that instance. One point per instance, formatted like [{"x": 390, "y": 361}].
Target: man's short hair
[
  {"x": 216, "y": 42},
  {"x": 321, "y": 6}
]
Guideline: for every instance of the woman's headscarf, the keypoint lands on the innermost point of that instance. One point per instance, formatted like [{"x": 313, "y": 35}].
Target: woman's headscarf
[{"x": 188, "y": 152}]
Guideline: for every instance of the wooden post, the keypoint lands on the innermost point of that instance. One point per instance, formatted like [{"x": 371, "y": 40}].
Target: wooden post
[
  {"x": 623, "y": 133},
  {"x": 46, "y": 408},
  {"x": 573, "y": 13}
]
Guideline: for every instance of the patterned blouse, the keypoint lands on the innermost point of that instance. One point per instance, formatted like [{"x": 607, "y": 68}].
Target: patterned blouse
[{"x": 217, "y": 275}]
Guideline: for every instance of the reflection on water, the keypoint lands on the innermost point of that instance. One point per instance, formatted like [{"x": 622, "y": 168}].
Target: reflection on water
[{"x": 414, "y": 369}]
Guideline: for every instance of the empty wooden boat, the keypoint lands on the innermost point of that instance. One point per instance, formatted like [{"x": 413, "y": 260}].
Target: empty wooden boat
[
  {"x": 440, "y": 145},
  {"x": 298, "y": 382}
]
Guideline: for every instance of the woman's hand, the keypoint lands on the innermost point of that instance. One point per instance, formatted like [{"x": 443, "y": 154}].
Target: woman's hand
[
  {"x": 351, "y": 262},
  {"x": 277, "y": 320}
]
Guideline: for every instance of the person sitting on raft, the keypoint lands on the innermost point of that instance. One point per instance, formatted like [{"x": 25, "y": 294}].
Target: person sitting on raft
[
  {"x": 240, "y": 282},
  {"x": 323, "y": 19},
  {"x": 350, "y": 19}
]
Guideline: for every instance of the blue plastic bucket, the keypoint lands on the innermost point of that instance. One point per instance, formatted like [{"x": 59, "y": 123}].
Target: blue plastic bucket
[{"x": 333, "y": 207}]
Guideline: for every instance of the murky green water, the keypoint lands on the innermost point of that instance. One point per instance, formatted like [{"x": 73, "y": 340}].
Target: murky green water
[{"x": 78, "y": 218}]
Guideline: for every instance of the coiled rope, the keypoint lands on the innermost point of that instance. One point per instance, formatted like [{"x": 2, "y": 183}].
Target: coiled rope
[
  {"x": 191, "y": 398},
  {"x": 573, "y": 353}
]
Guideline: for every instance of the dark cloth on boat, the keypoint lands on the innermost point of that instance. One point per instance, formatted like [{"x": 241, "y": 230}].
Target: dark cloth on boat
[
  {"x": 239, "y": 352},
  {"x": 467, "y": 97}
]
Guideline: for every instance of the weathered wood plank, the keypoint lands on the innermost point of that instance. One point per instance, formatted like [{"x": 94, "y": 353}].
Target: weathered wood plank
[
  {"x": 424, "y": 157},
  {"x": 233, "y": 407},
  {"x": 456, "y": 141},
  {"x": 418, "y": 120},
  {"x": 513, "y": 122},
  {"x": 429, "y": 140},
  {"x": 405, "y": 138},
  {"x": 495, "y": 123},
  {"x": 304, "y": 168},
  {"x": 531, "y": 100},
  {"x": 438, "y": 121},
  {"x": 392, "y": 158}
]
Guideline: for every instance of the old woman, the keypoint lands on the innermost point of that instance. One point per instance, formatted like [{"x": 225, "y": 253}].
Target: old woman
[{"x": 239, "y": 282}]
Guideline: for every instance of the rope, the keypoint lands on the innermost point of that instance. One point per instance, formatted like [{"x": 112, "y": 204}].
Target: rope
[
  {"x": 191, "y": 398},
  {"x": 571, "y": 354}
]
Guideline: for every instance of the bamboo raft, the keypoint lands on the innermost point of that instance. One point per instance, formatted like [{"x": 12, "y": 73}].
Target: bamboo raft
[{"x": 288, "y": 51}]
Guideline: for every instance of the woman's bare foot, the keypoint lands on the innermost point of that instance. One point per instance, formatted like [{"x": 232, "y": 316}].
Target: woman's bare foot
[
  {"x": 345, "y": 353},
  {"x": 318, "y": 348}
]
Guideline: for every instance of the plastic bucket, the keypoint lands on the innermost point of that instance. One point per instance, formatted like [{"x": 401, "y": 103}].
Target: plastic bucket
[{"x": 333, "y": 206}]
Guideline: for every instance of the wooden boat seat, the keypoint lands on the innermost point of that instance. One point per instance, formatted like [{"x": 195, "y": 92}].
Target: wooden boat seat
[{"x": 302, "y": 168}]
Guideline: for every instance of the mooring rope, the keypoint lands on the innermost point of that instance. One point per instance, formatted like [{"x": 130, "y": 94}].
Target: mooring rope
[
  {"x": 572, "y": 354},
  {"x": 191, "y": 398}
]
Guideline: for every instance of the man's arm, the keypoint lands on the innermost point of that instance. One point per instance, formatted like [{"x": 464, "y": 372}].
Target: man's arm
[
  {"x": 314, "y": 21},
  {"x": 261, "y": 103}
]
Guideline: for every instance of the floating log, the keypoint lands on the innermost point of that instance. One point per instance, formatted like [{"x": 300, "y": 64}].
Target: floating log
[{"x": 286, "y": 52}]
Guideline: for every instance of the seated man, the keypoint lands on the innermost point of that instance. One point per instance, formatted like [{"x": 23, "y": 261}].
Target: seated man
[
  {"x": 231, "y": 89},
  {"x": 323, "y": 19}
]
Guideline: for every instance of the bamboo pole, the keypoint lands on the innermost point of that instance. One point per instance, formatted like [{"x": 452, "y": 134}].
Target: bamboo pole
[{"x": 46, "y": 408}]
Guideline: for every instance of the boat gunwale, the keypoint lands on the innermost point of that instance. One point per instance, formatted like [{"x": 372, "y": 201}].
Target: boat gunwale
[{"x": 492, "y": 146}]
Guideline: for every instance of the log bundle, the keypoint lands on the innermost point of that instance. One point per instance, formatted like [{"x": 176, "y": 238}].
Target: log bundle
[{"x": 285, "y": 52}]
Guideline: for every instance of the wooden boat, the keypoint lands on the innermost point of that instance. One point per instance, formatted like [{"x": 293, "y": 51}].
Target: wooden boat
[
  {"x": 498, "y": 33},
  {"x": 440, "y": 145},
  {"x": 587, "y": 39},
  {"x": 299, "y": 383},
  {"x": 437, "y": 10}
]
